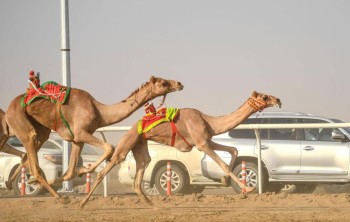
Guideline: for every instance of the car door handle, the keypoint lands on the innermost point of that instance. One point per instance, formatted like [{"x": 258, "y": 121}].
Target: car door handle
[
  {"x": 262, "y": 147},
  {"x": 308, "y": 148}
]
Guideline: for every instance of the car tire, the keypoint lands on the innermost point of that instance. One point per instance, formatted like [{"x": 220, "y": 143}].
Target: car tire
[
  {"x": 149, "y": 191},
  {"x": 30, "y": 189},
  {"x": 252, "y": 177},
  {"x": 289, "y": 188},
  {"x": 298, "y": 188},
  {"x": 178, "y": 180}
]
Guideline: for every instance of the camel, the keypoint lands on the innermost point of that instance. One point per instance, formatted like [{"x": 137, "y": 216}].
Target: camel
[
  {"x": 32, "y": 125},
  {"x": 4, "y": 134},
  {"x": 188, "y": 129}
]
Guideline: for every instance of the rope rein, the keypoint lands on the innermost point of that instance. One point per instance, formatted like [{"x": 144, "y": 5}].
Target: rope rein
[
  {"x": 256, "y": 104},
  {"x": 56, "y": 95}
]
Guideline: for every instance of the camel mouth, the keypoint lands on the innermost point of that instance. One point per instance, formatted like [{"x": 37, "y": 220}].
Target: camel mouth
[
  {"x": 279, "y": 104},
  {"x": 179, "y": 88}
]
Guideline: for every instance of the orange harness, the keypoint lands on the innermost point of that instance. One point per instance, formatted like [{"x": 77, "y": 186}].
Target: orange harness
[
  {"x": 173, "y": 135},
  {"x": 174, "y": 131}
]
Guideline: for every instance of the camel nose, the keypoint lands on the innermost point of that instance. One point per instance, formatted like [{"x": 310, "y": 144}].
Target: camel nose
[{"x": 279, "y": 103}]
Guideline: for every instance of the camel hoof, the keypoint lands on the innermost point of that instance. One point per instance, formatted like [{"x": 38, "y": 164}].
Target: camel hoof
[
  {"x": 248, "y": 189},
  {"x": 8, "y": 185},
  {"x": 82, "y": 204},
  {"x": 63, "y": 200},
  {"x": 81, "y": 171},
  {"x": 32, "y": 180}
]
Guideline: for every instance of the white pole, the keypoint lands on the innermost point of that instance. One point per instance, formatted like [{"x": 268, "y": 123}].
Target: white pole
[
  {"x": 65, "y": 59},
  {"x": 258, "y": 144}
]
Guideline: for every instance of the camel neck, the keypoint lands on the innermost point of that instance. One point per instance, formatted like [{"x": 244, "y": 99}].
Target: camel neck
[
  {"x": 225, "y": 123},
  {"x": 115, "y": 113}
]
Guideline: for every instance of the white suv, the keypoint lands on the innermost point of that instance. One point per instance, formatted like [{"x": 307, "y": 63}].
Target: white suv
[
  {"x": 185, "y": 166},
  {"x": 50, "y": 161},
  {"x": 289, "y": 156}
]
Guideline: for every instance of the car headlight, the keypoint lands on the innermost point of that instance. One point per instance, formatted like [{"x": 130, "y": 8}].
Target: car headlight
[{"x": 54, "y": 158}]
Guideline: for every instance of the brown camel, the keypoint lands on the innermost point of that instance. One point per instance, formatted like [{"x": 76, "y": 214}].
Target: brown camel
[
  {"x": 4, "y": 134},
  {"x": 33, "y": 124},
  {"x": 192, "y": 128}
]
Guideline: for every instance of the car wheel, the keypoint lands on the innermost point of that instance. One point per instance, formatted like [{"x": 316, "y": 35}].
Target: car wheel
[
  {"x": 251, "y": 178},
  {"x": 178, "y": 180},
  {"x": 149, "y": 191},
  {"x": 30, "y": 189},
  {"x": 298, "y": 188},
  {"x": 289, "y": 188}
]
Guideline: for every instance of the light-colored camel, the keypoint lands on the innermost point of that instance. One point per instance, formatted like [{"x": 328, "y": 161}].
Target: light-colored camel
[
  {"x": 193, "y": 128},
  {"x": 33, "y": 124}
]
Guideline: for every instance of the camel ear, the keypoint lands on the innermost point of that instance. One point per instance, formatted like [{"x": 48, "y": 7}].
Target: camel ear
[
  {"x": 254, "y": 94},
  {"x": 152, "y": 79}
]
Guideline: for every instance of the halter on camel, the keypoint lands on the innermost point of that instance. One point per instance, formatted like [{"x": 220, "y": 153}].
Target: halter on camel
[{"x": 258, "y": 105}]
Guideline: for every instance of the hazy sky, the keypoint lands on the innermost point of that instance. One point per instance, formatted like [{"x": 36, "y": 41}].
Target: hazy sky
[{"x": 221, "y": 51}]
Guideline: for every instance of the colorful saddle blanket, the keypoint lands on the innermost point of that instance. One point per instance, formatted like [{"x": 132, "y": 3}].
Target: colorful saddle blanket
[
  {"x": 48, "y": 90},
  {"x": 153, "y": 119}
]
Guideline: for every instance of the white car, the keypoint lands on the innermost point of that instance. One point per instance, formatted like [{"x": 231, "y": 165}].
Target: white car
[
  {"x": 185, "y": 166},
  {"x": 50, "y": 161}
]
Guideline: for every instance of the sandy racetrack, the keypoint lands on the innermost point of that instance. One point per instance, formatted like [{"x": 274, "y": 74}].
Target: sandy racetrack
[{"x": 254, "y": 207}]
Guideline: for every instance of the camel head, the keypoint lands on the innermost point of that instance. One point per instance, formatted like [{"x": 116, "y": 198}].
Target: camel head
[
  {"x": 162, "y": 86},
  {"x": 260, "y": 101}
]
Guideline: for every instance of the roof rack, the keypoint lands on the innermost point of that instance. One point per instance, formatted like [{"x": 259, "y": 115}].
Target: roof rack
[{"x": 281, "y": 114}]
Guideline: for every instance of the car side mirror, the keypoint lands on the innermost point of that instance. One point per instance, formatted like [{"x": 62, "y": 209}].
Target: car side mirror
[{"x": 338, "y": 135}]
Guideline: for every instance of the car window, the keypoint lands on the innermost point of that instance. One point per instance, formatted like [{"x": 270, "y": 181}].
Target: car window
[
  {"x": 15, "y": 142},
  {"x": 319, "y": 134},
  {"x": 312, "y": 133},
  {"x": 248, "y": 133},
  {"x": 282, "y": 134}
]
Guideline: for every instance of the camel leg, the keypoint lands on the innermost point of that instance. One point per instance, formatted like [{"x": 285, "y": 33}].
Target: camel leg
[
  {"x": 73, "y": 162},
  {"x": 98, "y": 180},
  {"x": 6, "y": 148},
  {"x": 233, "y": 152},
  {"x": 115, "y": 159},
  {"x": 210, "y": 152},
  {"x": 142, "y": 158},
  {"x": 26, "y": 133},
  {"x": 85, "y": 137},
  {"x": 126, "y": 143},
  {"x": 45, "y": 133}
]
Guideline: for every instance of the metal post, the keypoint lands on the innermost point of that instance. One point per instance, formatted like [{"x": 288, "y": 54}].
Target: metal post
[
  {"x": 258, "y": 144},
  {"x": 65, "y": 59},
  {"x": 105, "y": 190},
  {"x": 105, "y": 179}
]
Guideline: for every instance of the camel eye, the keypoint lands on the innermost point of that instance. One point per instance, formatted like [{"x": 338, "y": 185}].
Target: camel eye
[
  {"x": 165, "y": 83},
  {"x": 265, "y": 98}
]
